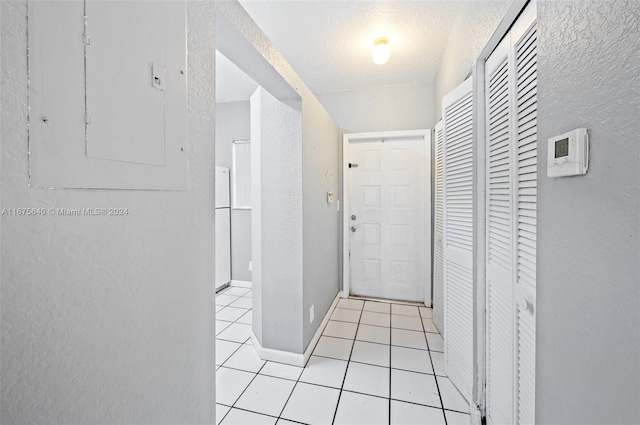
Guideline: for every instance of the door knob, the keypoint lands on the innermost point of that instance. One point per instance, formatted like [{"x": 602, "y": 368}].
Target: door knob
[
  {"x": 353, "y": 217},
  {"x": 353, "y": 229}
]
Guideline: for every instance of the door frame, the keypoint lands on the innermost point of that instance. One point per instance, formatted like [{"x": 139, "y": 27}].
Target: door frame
[
  {"x": 479, "y": 206},
  {"x": 426, "y": 134}
]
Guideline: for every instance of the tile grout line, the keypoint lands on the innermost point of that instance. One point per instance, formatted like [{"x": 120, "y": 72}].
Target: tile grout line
[
  {"x": 300, "y": 376},
  {"x": 435, "y": 378},
  {"x": 335, "y": 413}
]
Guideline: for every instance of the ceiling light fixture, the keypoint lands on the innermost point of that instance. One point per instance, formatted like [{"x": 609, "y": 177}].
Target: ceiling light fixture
[{"x": 381, "y": 52}]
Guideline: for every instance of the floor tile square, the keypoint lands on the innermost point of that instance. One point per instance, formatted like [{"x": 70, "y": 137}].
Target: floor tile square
[
  {"x": 455, "y": 418},
  {"x": 437, "y": 359},
  {"x": 225, "y": 299},
  {"x": 341, "y": 329},
  {"x": 242, "y": 417},
  {"x": 230, "y": 383},
  {"x": 367, "y": 379},
  {"x": 367, "y": 352},
  {"x": 242, "y": 302},
  {"x": 426, "y": 312},
  {"x": 231, "y": 314},
  {"x": 221, "y": 325},
  {"x": 219, "y": 307},
  {"x": 324, "y": 371},
  {"x": 245, "y": 358},
  {"x": 281, "y": 370},
  {"x": 373, "y": 334},
  {"x": 246, "y": 318},
  {"x": 451, "y": 397},
  {"x": 336, "y": 348},
  {"x": 377, "y": 307},
  {"x": 411, "y": 359},
  {"x": 224, "y": 350},
  {"x": 435, "y": 342},
  {"x": 429, "y": 326},
  {"x": 412, "y": 414},
  {"x": 406, "y": 338},
  {"x": 346, "y": 315},
  {"x": 286, "y": 422},
  {"x": 220, "y": 412},
  {"x": 406, "y": 322},
  {"x": 360, "y": 409},
  {"x": 235, "y": 291},
  {"x": 312, "y": 404},
  {"x": 248, "y": 294},
  {"x": 405, "y": 310},
  {"x": 375, "y": 319},
  {"x": 414, "y": 387},
  {"x": 266, "y": 395},
  {"x": 350, "y": 304},
  {"x": 238, "y": 332}
]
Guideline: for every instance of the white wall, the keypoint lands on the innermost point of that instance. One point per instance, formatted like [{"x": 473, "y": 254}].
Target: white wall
[
  {"x": 320, "y": 138},
  {"x": 108, "y": 319},
  {"x": 588, "y": 329},
  {"x": 233, "y": 122},
  {"x": 469, "y": 34},
  {"x": 388, "y": 108}
]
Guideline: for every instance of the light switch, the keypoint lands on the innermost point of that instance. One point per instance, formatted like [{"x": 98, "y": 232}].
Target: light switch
[{"x": 329, "y": 197}]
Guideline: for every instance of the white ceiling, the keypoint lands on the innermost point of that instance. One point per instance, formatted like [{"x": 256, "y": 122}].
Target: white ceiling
[
  {"x": 232, "y": 85},
  {"x": 329, "y": 43}
]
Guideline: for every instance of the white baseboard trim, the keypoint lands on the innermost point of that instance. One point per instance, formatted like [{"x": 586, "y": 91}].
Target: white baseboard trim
[
  {"x": 318, "y": 334},
  {"x": 295, "y": 359},
  {"x": 241, "y": 283}
]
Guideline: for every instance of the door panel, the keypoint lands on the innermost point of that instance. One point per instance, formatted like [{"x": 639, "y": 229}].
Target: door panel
[
  {"x": 387, "y": 218},
  {"x": 438, "y": 271},
  {"x": 458, "y": 237}
]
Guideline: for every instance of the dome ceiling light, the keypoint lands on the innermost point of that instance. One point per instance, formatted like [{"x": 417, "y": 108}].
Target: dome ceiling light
[{"x": 381, "y": 51}]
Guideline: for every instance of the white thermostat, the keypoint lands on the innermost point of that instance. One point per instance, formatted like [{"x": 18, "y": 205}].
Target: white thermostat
[{"x": 568, "y": 154}]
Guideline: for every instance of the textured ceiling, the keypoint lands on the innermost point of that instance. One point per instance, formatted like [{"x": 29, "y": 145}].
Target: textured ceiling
[{"x": 329, "y": 43}]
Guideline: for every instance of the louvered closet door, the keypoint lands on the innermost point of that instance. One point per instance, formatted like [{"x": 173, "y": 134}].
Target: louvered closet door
[
  {"x": 499, "y": 204},
  {"x": 458, "y": 236},
  {"x": 511, "y": 224},
  {"x": 526, "y": 60},
  {"x": 438, "y": 276}
]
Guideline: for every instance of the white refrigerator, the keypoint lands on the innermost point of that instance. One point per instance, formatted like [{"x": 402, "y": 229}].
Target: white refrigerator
[{"x": 223, "y": 228}]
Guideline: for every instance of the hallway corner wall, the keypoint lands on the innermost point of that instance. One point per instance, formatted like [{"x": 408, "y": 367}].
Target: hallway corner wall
[
  {"x": 108, "y": 319},
  {"x": 588, "y": 320},
  {"x": 320, "y": 173}
]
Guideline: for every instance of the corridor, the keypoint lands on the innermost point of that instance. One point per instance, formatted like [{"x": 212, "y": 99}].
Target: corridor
[{"x": 376, "y": 363}]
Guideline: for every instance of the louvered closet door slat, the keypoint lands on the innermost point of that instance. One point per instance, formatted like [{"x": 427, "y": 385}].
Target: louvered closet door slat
[
  {"x": 438, "y": 272},
  {"x": 457, "y": 225},
  {"x": 500, "y": 246}
]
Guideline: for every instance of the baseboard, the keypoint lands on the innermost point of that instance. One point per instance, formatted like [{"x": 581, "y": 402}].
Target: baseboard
[
  {"x": 278, "y": 356},
  {"x": 241, "y": 283},
  {"x": 318, "y": 334},
  {"x": 295, "y": 359}
]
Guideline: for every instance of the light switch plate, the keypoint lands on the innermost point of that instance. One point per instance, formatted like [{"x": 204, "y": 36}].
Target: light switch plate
[{"x": 329, "y": 197}]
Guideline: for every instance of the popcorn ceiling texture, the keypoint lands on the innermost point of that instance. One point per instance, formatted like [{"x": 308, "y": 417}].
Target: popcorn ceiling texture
[
  {"x": 108, "y": 319},
  {"x": 588, "y": 321}
]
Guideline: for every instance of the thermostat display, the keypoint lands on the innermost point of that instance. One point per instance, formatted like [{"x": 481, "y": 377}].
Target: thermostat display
[{"x": 568, "y": 154}]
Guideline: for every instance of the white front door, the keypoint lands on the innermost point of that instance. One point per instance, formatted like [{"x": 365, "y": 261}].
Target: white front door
[{"x": 386, "y": 217}]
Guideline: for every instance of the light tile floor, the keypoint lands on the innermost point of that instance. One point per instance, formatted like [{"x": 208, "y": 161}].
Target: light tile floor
[{"x": 375, "y": 363}]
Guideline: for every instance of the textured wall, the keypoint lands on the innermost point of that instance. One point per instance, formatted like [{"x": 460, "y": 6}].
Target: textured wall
[
  {"x": 320, "y": 152},
  {"x": 387, "y": 108},
  {"x": 233, "y": 122},
  {"x": 469, "y": 34},
  {"x": 276, "y": 135},
  {"x": 108, "y": 319},
  {"x": 588, "y": 330}
]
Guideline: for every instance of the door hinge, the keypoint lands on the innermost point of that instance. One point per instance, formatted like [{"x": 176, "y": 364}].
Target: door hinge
[{"x": 87, "y": 119}]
